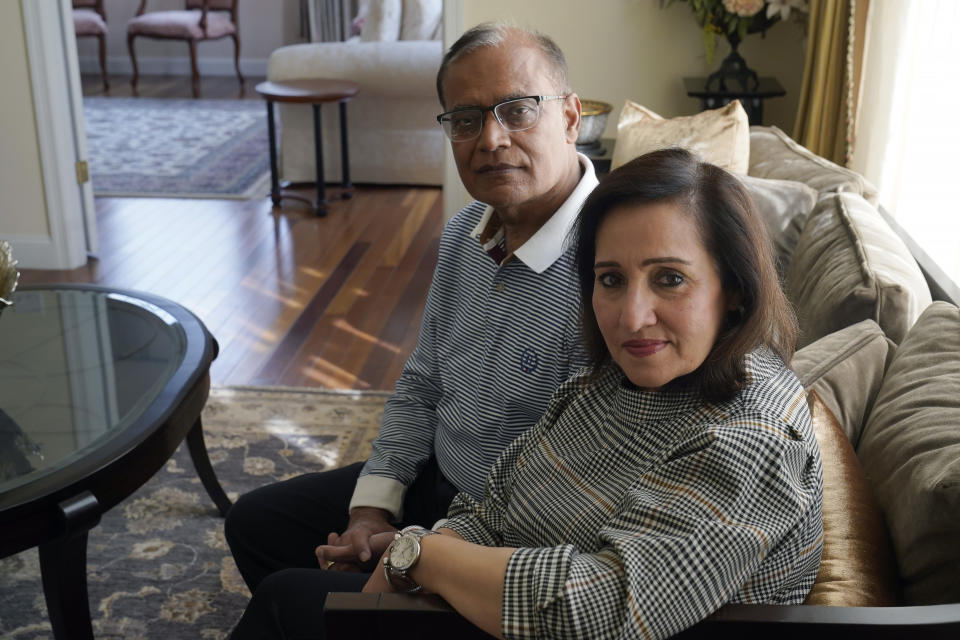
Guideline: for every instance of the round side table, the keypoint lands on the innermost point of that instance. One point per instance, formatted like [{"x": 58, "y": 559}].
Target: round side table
[{"x": 312, "y": 91}]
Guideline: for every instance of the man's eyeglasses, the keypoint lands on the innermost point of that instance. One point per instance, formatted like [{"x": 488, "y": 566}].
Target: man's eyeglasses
[{"x": 516, "y": 114}]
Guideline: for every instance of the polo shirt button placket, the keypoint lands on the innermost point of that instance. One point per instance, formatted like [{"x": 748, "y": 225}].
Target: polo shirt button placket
[{"x": 500, "y": 287}]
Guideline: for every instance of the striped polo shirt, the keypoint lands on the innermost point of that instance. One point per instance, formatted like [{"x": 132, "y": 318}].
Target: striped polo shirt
[{"x": 497, "y": 339}]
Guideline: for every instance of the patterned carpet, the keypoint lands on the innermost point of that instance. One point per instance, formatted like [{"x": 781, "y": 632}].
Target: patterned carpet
[
  {"x": 158, "y": 565},
  {"x": 177, "y": 148}
]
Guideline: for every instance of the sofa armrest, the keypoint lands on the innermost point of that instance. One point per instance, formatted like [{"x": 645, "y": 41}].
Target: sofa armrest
[
  {"x": 391, "y": 616},
  {"x": 397, "y": 68}
]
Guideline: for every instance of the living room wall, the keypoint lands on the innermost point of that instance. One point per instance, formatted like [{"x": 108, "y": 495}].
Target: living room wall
[
  {"x": 264, "y": 26},
  {"x": 634, "y": 49},
  {"x": 20, "y": 177}
]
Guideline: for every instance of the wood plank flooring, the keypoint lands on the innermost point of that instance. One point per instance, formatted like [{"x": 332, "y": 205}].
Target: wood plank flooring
[{"x": 292, "y": 299}]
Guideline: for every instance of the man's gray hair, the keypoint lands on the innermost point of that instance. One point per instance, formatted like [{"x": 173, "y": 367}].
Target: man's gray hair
[{"x": 494, "y": 34}]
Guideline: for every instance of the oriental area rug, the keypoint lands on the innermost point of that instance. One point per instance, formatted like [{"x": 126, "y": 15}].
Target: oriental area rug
[
  {"x": 158, "y": 566},
  {"x": 177, "y": 147}
]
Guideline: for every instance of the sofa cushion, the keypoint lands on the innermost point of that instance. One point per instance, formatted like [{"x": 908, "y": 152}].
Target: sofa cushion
[
  {"x": 381, "y": 20},
  {"x": 421, "y": 19},
  {"x": 859, "y": 352},
  {"x": 910, "y": 452},
  {"x": 773, "y": 154},
  {"x": 857, "y": 566},
  {"x": 784, "y": 206},
  {"x": 848, "y": 266},
  {"x": 719, "y": 136}
]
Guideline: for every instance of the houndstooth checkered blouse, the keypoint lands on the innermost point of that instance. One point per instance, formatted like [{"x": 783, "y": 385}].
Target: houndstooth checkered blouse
[{"x": 637, "y": 514}]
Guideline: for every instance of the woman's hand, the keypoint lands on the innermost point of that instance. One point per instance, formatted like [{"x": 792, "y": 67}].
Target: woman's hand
[{"x": 378, "y": 580}]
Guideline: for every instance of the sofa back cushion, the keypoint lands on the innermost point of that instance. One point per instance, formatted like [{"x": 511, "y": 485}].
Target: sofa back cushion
[
  {"x": 381, "y": 20},
  {"x": 773, "y": 154},
  {"x": 910, "y": 452},
  {"x": 421, "y": 20},
  {"x": 859, "y": 352},
  {"x": 857, "y": 567},
  {"x": 784, "y": 206},
  {"x": 849, "y": 266},
  {"x": 719, "y": 136}
]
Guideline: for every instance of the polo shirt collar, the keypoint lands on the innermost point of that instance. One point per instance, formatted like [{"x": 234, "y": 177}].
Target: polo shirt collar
[{"x": 544, "y": 247}]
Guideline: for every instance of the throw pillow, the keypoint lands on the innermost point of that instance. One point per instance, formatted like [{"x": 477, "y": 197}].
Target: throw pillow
[
  {"x": 719, "y": 136},
  {"x": 859, "y": 352},
  {"x": 910, "y": 452},
  {"x": 420, "y": 19},
  {"x": 773, "y": 154},
  {"x": 857, "y": 566},
  {"x": 382, "y": 21},
  {"x": 784, "y": 206},
  {"x": 848, "y": 266}
]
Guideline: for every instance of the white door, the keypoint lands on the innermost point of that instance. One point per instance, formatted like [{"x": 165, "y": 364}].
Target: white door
[{"x": 79, "y": 127}]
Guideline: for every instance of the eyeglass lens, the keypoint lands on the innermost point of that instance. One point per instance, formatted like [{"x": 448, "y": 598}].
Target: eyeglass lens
[{"x": 514, "y": 115}]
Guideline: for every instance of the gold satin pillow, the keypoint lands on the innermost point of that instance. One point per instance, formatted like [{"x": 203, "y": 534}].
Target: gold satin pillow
[{"x": 858, "y": 568}]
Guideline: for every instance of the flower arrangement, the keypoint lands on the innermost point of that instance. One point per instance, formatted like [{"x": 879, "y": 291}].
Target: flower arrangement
[
  {"x": 8, "y": 273},
  {"x": 734, "y": 19}
]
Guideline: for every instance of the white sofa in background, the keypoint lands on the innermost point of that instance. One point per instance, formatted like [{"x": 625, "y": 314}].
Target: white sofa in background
[{"x": 392, "y": 129}]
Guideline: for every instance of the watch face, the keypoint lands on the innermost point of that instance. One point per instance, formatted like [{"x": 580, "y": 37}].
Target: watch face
[{"x": 404, "y": 553}]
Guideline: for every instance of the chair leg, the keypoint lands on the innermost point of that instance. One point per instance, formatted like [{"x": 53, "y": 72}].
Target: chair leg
[
  {"x": 103, "y": 62},
  {"x": 133, "y": 59},
  {"x": 193, "y": 67},
  {"x": 236, "y": 59}
]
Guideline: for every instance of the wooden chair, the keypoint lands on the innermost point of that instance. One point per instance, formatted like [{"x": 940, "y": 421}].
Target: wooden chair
[
  {"x": 90, "y": 20},
  {"x": 199, "y": 20}
]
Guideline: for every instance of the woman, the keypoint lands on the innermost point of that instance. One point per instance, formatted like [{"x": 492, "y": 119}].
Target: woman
[{"x": 681, "y": 472}]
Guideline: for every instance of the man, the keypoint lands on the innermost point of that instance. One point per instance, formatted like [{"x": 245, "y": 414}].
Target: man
[{"x": 500, "y": 329}]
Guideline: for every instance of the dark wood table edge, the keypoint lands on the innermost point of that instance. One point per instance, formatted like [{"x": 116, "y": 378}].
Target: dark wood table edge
[
  {"x": 268, "y": 90},
  {"x": 397, "y": 616},
  {"x": 58, "y": 519}
]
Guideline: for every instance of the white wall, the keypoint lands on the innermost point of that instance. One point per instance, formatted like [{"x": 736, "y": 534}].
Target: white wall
[
  {"x": 620, "y": 49},
  {"x": 264, "y": 26},
  {"x": 635, "y": 49},
  {"x": 23, "y": 212}
]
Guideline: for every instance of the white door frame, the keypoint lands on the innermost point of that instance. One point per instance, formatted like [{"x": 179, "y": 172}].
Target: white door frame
[{"x": 58, "y": 109}]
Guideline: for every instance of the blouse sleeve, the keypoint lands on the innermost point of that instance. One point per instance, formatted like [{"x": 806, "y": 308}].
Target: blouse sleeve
[
  {"x": 736, "y": 512},
  {"x": 482, "y": 522}
]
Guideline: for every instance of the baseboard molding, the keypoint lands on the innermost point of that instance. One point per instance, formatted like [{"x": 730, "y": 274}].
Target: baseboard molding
[
  {"x": 34, "y": 252},
  {"x": 121, "y": 65}
]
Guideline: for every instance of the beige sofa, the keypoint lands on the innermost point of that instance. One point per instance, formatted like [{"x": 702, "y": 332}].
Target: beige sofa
[
  {"x": 881, "y": 362},
  {"x": 392, "y": 129}
]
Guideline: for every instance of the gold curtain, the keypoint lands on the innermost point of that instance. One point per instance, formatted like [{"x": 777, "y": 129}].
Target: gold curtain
[{"x": 829, "y": 95}]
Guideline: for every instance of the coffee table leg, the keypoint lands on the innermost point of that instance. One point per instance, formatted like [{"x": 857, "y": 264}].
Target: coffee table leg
[
  {"x": 274, "y": 173},
  {"x": 344, "y": 153},
  {"x": 63, "y": 568},
  {"x": 318, "y": 149},
  {"x": 201, "y": 461}
]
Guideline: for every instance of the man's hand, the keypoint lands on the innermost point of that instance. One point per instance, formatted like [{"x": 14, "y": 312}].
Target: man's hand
[{"x": 357, "y": 548}]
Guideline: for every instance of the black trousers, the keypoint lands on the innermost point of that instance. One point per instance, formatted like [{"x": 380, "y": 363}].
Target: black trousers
[{"x": 275, "y": 529}]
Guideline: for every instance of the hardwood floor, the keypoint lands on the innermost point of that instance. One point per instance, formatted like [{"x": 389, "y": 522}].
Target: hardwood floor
[{"x": 292, "y": 299}]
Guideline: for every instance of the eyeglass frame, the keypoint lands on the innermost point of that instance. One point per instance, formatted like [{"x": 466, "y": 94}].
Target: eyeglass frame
[{"x": 493, "y": 108}]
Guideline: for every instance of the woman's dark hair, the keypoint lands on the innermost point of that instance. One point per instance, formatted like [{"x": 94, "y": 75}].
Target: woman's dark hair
[{"x": 734, "y": 236}]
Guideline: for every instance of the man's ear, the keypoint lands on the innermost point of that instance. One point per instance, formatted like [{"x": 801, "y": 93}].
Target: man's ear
[{"x": 571, "y": 117}]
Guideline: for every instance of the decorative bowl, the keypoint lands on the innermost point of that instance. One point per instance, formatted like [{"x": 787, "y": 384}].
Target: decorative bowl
[{"x": 593, "y": 120}]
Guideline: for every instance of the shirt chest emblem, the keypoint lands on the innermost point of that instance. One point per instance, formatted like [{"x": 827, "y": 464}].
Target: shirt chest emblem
[{"x": 529, "y": 360}]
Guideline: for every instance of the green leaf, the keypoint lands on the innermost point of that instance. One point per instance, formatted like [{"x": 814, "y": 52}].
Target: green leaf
[
  {"x": 742, "y": 29},
  {"x": 709, "y": 43}
]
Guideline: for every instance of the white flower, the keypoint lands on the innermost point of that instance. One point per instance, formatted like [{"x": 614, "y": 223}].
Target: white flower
[
  {"x": 783, "y": 7},
  {"x": 743, "y": 8}
]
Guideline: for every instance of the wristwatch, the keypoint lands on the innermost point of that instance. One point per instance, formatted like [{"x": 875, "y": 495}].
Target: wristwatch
[{"x": 402, "y": 556}]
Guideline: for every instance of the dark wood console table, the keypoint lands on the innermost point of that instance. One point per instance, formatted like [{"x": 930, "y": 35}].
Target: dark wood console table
[{"x": 751, "y": 99}]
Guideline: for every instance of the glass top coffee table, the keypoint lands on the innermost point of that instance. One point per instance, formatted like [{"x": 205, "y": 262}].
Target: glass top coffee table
[{"x": 98, "y": 387}]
